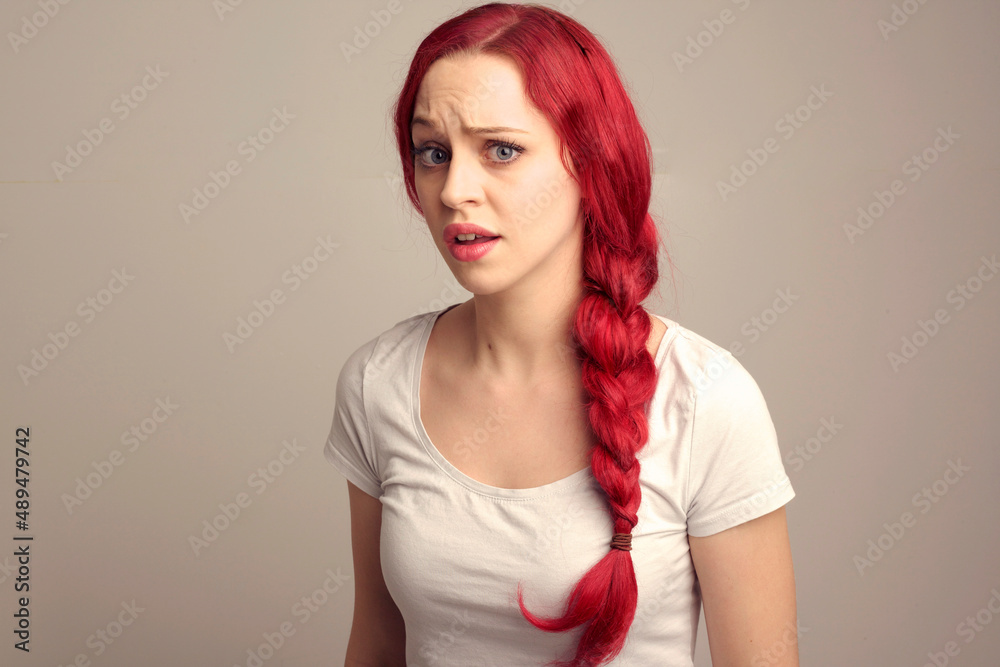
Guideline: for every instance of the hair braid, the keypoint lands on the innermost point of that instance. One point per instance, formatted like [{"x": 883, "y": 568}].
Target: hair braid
[
  {"x": 611, "y": 329},
  {"x": 573, "y": 81}
]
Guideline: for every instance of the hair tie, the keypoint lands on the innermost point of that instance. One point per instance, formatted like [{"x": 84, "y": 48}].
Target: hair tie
[{"x": 622, "y": 541}]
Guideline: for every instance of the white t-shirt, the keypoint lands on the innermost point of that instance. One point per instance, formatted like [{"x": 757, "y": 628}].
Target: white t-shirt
[{"x": 453, "y": 549}]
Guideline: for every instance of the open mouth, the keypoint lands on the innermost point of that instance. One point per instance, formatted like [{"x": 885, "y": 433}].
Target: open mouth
[{"x": 473, "y": 239}]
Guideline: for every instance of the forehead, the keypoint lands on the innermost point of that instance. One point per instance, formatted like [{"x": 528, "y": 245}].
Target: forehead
[{"x": 479, "y": 90}]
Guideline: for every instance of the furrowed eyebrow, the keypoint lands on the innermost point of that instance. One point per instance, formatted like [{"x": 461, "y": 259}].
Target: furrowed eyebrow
[{"x": 418, "y": 120}]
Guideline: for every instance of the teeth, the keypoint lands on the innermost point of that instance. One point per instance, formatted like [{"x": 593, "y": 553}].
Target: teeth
[{"x": 468, "y": 237}]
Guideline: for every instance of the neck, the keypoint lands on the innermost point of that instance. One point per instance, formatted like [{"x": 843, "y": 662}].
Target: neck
[
  {"x": 525, "y": 332},
  {"x": 523, "y": 339}
]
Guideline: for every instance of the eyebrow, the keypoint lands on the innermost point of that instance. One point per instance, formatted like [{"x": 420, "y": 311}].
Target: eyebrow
[{"x": 418, "y": 120}]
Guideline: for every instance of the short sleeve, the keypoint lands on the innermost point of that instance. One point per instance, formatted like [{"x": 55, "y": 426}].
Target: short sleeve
[
  {"x": 349, "y": 446},
  {"x": 736, "y": 473}
]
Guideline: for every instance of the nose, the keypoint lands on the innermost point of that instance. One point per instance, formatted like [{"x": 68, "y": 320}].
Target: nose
[{"x": 463, "y": 184}]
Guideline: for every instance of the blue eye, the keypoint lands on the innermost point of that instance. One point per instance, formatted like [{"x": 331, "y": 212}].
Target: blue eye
[
  {"x": 433, "y": 156},
  {"x": 438, "y": 155},
  {"x": 504, "y": 152},
  {"x": 507, "y": 151}
]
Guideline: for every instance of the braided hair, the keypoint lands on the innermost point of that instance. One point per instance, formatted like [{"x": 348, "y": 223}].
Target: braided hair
[{"x": 574, "y": 83}]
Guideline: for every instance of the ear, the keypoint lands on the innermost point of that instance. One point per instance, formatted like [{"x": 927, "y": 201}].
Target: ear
[{"x": 568, "y": 162}]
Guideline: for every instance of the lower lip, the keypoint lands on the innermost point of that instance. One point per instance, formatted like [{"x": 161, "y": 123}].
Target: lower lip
[{"x": 470, "y": 252}]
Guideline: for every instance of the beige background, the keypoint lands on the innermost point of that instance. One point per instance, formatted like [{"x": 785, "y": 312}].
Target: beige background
[{"x": 331, "y": 173}]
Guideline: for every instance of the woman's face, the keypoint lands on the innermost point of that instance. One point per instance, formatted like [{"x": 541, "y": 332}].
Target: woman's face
[{"x": 485, "y": 156}]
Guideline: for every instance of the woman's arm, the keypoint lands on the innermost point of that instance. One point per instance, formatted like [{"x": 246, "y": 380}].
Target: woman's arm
[
  {"x": 748, "y": 591},
  {"x": 378, "y": 636}
]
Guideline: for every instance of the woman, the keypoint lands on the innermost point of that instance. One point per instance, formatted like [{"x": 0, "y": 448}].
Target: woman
[{"x": 548, "y": 473}]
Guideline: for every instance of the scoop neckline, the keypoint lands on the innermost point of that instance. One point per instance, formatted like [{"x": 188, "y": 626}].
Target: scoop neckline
[{"x": 556, "y": 487}]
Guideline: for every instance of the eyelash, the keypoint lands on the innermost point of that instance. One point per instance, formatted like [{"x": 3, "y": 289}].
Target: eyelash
[{"x": 417, "y": 151}]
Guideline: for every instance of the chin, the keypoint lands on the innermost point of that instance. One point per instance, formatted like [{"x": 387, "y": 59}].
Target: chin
[{"x": 481, "y": 286}]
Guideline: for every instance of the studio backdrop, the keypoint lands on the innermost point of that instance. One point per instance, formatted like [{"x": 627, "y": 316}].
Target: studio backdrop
[{"x": 202, "y": 215}]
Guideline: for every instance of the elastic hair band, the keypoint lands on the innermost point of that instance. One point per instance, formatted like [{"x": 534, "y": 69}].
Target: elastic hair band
[{"x": 622, "y": 541}]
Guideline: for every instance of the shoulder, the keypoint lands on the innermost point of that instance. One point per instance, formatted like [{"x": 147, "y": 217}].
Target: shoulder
[
  {"x": 692, "y": 358},
  {"x": 706, "y": 377},
  {"x": 386, "y": 349}
]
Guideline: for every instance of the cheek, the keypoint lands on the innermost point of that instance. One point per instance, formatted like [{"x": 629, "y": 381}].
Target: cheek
[
  {"x": 547, "y": 197},
  {"x": 425, "y": 192}
]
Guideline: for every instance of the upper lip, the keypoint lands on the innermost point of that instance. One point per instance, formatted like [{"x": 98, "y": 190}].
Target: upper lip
[{"x": 454, "y": 229}]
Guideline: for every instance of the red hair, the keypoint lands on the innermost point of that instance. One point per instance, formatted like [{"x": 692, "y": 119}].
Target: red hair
[{"x": 574, "y": 83}]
